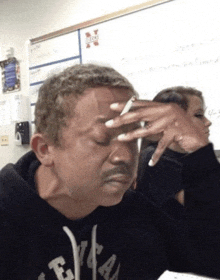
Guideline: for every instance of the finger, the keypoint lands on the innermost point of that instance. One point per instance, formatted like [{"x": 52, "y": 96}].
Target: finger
[
  {"x": 150, "y": 129},
  {"x": 163, "y": 143},
  {"x": 146, "y": 114},
  {"x": 138, "y": 103},
  {"x": 127, "y": 118}
]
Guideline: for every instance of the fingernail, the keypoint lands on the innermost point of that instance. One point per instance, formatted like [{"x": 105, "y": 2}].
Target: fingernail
[
  {"x": 151, "y": 163},
  {"x": 109, "y": 123},
  {"x": 179, "y": 137},
  {"x": 114, "y": 105},
  {"x": 121, "y": 136}
]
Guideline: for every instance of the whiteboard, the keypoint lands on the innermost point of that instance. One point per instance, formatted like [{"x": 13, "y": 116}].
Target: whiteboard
[{"x": 171, "y": 44}]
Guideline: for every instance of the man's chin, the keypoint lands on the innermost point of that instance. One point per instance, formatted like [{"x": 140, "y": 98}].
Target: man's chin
[{"x": 113, "y": 199}]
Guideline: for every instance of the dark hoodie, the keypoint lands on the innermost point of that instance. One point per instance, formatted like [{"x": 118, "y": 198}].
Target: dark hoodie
[{"x": 132, "y": 240}]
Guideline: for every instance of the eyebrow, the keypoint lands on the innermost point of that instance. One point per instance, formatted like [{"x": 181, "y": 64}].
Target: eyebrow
[{"x": 200, "y": 110}]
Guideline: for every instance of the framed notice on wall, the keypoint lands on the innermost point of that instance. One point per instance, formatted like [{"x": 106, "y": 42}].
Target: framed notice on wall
[{"x": 10, "y": 69}]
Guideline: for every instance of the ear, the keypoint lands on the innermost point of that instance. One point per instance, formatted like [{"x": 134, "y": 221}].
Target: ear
[{"x": 41, "y": 147}]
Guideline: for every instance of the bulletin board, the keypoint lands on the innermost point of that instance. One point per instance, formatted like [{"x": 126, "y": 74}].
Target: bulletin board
[{"x": 157, "y": 44}]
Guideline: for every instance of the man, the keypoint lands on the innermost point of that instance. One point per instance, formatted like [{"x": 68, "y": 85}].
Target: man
[{"x": 67, "y": 211}]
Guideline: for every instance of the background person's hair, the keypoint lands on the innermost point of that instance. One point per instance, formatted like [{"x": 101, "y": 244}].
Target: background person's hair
[
  {"x": 53, "y": 108},
  {"x": 178, "y": 95}
]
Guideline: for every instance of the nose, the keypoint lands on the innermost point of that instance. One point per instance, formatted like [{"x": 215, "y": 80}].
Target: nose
[
  {"x": 207, "y": 122},
  {"x": 123, "y": 153}
]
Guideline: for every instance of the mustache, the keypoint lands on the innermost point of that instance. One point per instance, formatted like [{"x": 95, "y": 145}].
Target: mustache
[{"x": 123, "y": 169}]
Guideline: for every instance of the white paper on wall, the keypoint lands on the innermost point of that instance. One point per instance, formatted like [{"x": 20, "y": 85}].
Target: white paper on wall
[{"x": 5, "y": 112}]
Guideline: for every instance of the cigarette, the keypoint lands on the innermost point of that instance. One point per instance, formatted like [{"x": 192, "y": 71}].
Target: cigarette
[
  {"x": 126, "y": 109},
  {"x": 128, "y": 105}
]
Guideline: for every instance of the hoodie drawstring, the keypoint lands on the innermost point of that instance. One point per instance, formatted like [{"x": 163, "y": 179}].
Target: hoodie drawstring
[
  {"x": 76, "y": 254},
  {"x": 94, "y": 263}
]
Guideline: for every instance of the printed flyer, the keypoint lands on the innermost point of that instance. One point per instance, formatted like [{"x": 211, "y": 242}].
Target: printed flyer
[{"x": 10, "y": 75}]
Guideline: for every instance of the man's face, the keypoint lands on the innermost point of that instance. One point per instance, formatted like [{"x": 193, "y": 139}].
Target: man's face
[{"x": 92, "y": 165}]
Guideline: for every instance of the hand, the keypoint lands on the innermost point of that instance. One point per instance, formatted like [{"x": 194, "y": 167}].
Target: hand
[{"x": 167, "y": 120}]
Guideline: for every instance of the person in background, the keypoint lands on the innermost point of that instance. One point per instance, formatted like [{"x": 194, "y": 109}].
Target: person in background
[
  {"x": 158, "y": 183},
  {"x": 66, "y": 208}
]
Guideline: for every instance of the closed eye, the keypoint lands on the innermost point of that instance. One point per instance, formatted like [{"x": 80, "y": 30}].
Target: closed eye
[
  {"x": 200, "y": 116},
  {"x": 103, "y": 141}
]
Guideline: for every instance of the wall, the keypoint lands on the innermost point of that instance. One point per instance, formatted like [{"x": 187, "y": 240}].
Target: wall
[{"x": 25, "y": 19}]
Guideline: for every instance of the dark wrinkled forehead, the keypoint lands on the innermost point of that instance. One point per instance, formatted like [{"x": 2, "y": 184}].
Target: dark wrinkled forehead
[
  {"x": 100, "y": 99},
  {"x": 93, "y": 107}
]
